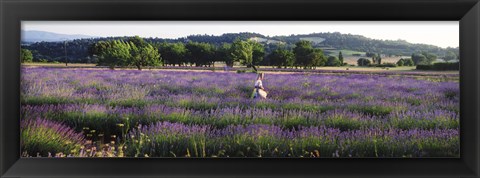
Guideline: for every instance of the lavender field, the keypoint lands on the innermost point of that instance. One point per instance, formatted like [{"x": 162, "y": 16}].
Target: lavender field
[{"x": 164, "y": 113}]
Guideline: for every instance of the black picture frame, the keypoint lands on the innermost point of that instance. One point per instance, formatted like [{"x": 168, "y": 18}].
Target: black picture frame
[{"x": 465, "y": 11}]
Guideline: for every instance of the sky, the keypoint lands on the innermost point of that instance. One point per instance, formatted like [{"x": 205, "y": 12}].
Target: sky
[{"x": 439, "y": 33}]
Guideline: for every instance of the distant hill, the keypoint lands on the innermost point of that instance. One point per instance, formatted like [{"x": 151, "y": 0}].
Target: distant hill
[
  {"x": 39, "y": 36},
  {"x": 360, "y": 43},
  {"x": 51, "y": 46}
]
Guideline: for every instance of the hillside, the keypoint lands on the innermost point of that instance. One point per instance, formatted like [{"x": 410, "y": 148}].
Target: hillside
[{"x": 330, "y": 42}]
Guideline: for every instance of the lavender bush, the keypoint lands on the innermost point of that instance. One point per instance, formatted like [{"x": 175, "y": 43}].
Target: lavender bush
[
  {"x": 212, "y": 110},
  {"x": 40, "y": 137},
  {"x": 165, "y": 139}
]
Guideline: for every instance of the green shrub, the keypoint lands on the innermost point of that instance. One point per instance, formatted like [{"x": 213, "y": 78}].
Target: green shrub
[
  {"x": 424, "y": 67},
  {"x": 446, "y": 66},
  {"x": 387, "y": 65},
  {"x": 400, "y": 62},
  {"x": 363, "y": 62},
  {"x": 383, "y": 65},
  {"x": 440, "y": 66}
]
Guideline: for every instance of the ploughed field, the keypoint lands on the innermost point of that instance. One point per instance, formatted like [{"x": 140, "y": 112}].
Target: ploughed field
[{"x": 130, "y": 113}]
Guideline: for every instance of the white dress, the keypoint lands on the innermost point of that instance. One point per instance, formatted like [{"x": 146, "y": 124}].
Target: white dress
[{"x": 259, "y": 92}]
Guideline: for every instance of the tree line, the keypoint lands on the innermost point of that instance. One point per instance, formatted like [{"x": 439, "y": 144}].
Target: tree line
[
  {"x": 137, "y": 52},
  {"x": 79, "y": 50}
]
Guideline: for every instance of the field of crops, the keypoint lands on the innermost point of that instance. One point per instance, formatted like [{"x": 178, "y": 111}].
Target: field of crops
[{"x": 130, "y": 113}]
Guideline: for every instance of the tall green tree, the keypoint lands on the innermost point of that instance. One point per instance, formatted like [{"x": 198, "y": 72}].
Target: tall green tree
[
  {"x": 378, "y": 59},
  {"x": 224, "y": 53},
  {"x": 374, "y": 58},
  {"x": 117, "y": 54},
  {"x": 282, "y": 57},
  {"x": 137, "y": 41},
  {"x": 200, "y": 54},
  {"x": 423, "y": 58},
  {"x": 97, "y": 49},
  {"x": 419, "y": 59},
  {"x": 363, "y": 62},
  {"x": 126, "y": 53},
  {"x": 172, "y": 53},
  {"x": 316, "y": 58},
  {"x": 449, "y": 56},
  {"x": 146, "y": 55},
  {"x": 258, "y": 52},
  {"x": 333, "y": 61},
  {"x": 408, "y": 62},
  {"x": 400, "y": 62},
  {"x": 26, "y": 56},
  {"x": 306, "y": 56},
  {"x": 242, "y": 51},
  {"x": 340, "y": 57},
  {"x": 303, "y": 51}
]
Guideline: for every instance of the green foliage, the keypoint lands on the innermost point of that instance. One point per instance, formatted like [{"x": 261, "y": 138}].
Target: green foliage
[
  {"x": 25, "y": 55},
  {"x": 79, "y": 50},
  {"x": 446, "y": 66},
  {"x": 370, "y": 54},
  {"x": 98, "y": 49},
  {"x": 242, "y": 51},
  {"x": 258, "y": 52},
  {"x": 423, "y": 58},
  {"x": 302, "y": 51},
  {"x": 400, "y": 62},
  {"x": 408, "y": 62},
  {"x": 340, "y": 57},
  {"x": 363, "y": 62},
  {"x": 449, "y": 56},
  {"x": 144, "y": 56},
  {"x": 424, "y": 67},
  {"x": 249, "y": 53},
  {"x": 45, "y": 61},
  {"x": 440, "y": 66},
  {"x": 116, "y": 55},
  {"x": 378, "y": 59},
  {"x": 387, "y": 65},
  {"x": 224, "y": 53},
  {"x": 318, "y": 58},
  {"x": 127, "y": 53},
  {"x": 200, "y": 54},
  {"x": 307, "y": 56},
  {"x": 419, "y": 59},
  {"x": 282, "y": 57},
  {"x": 137, "y": 41},
  {"x": 405, "y": 62},
  {"x": 333, "y": 61},
  {"x": 173, "y": 53}
]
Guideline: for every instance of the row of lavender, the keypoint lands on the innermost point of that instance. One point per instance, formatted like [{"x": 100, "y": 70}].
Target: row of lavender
[
  {"x": 114, "y": 104},
  {"x": 121, "y": 87},
  {"x": 103, "y": 118},
  {"x": 165, "y": 139}
]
